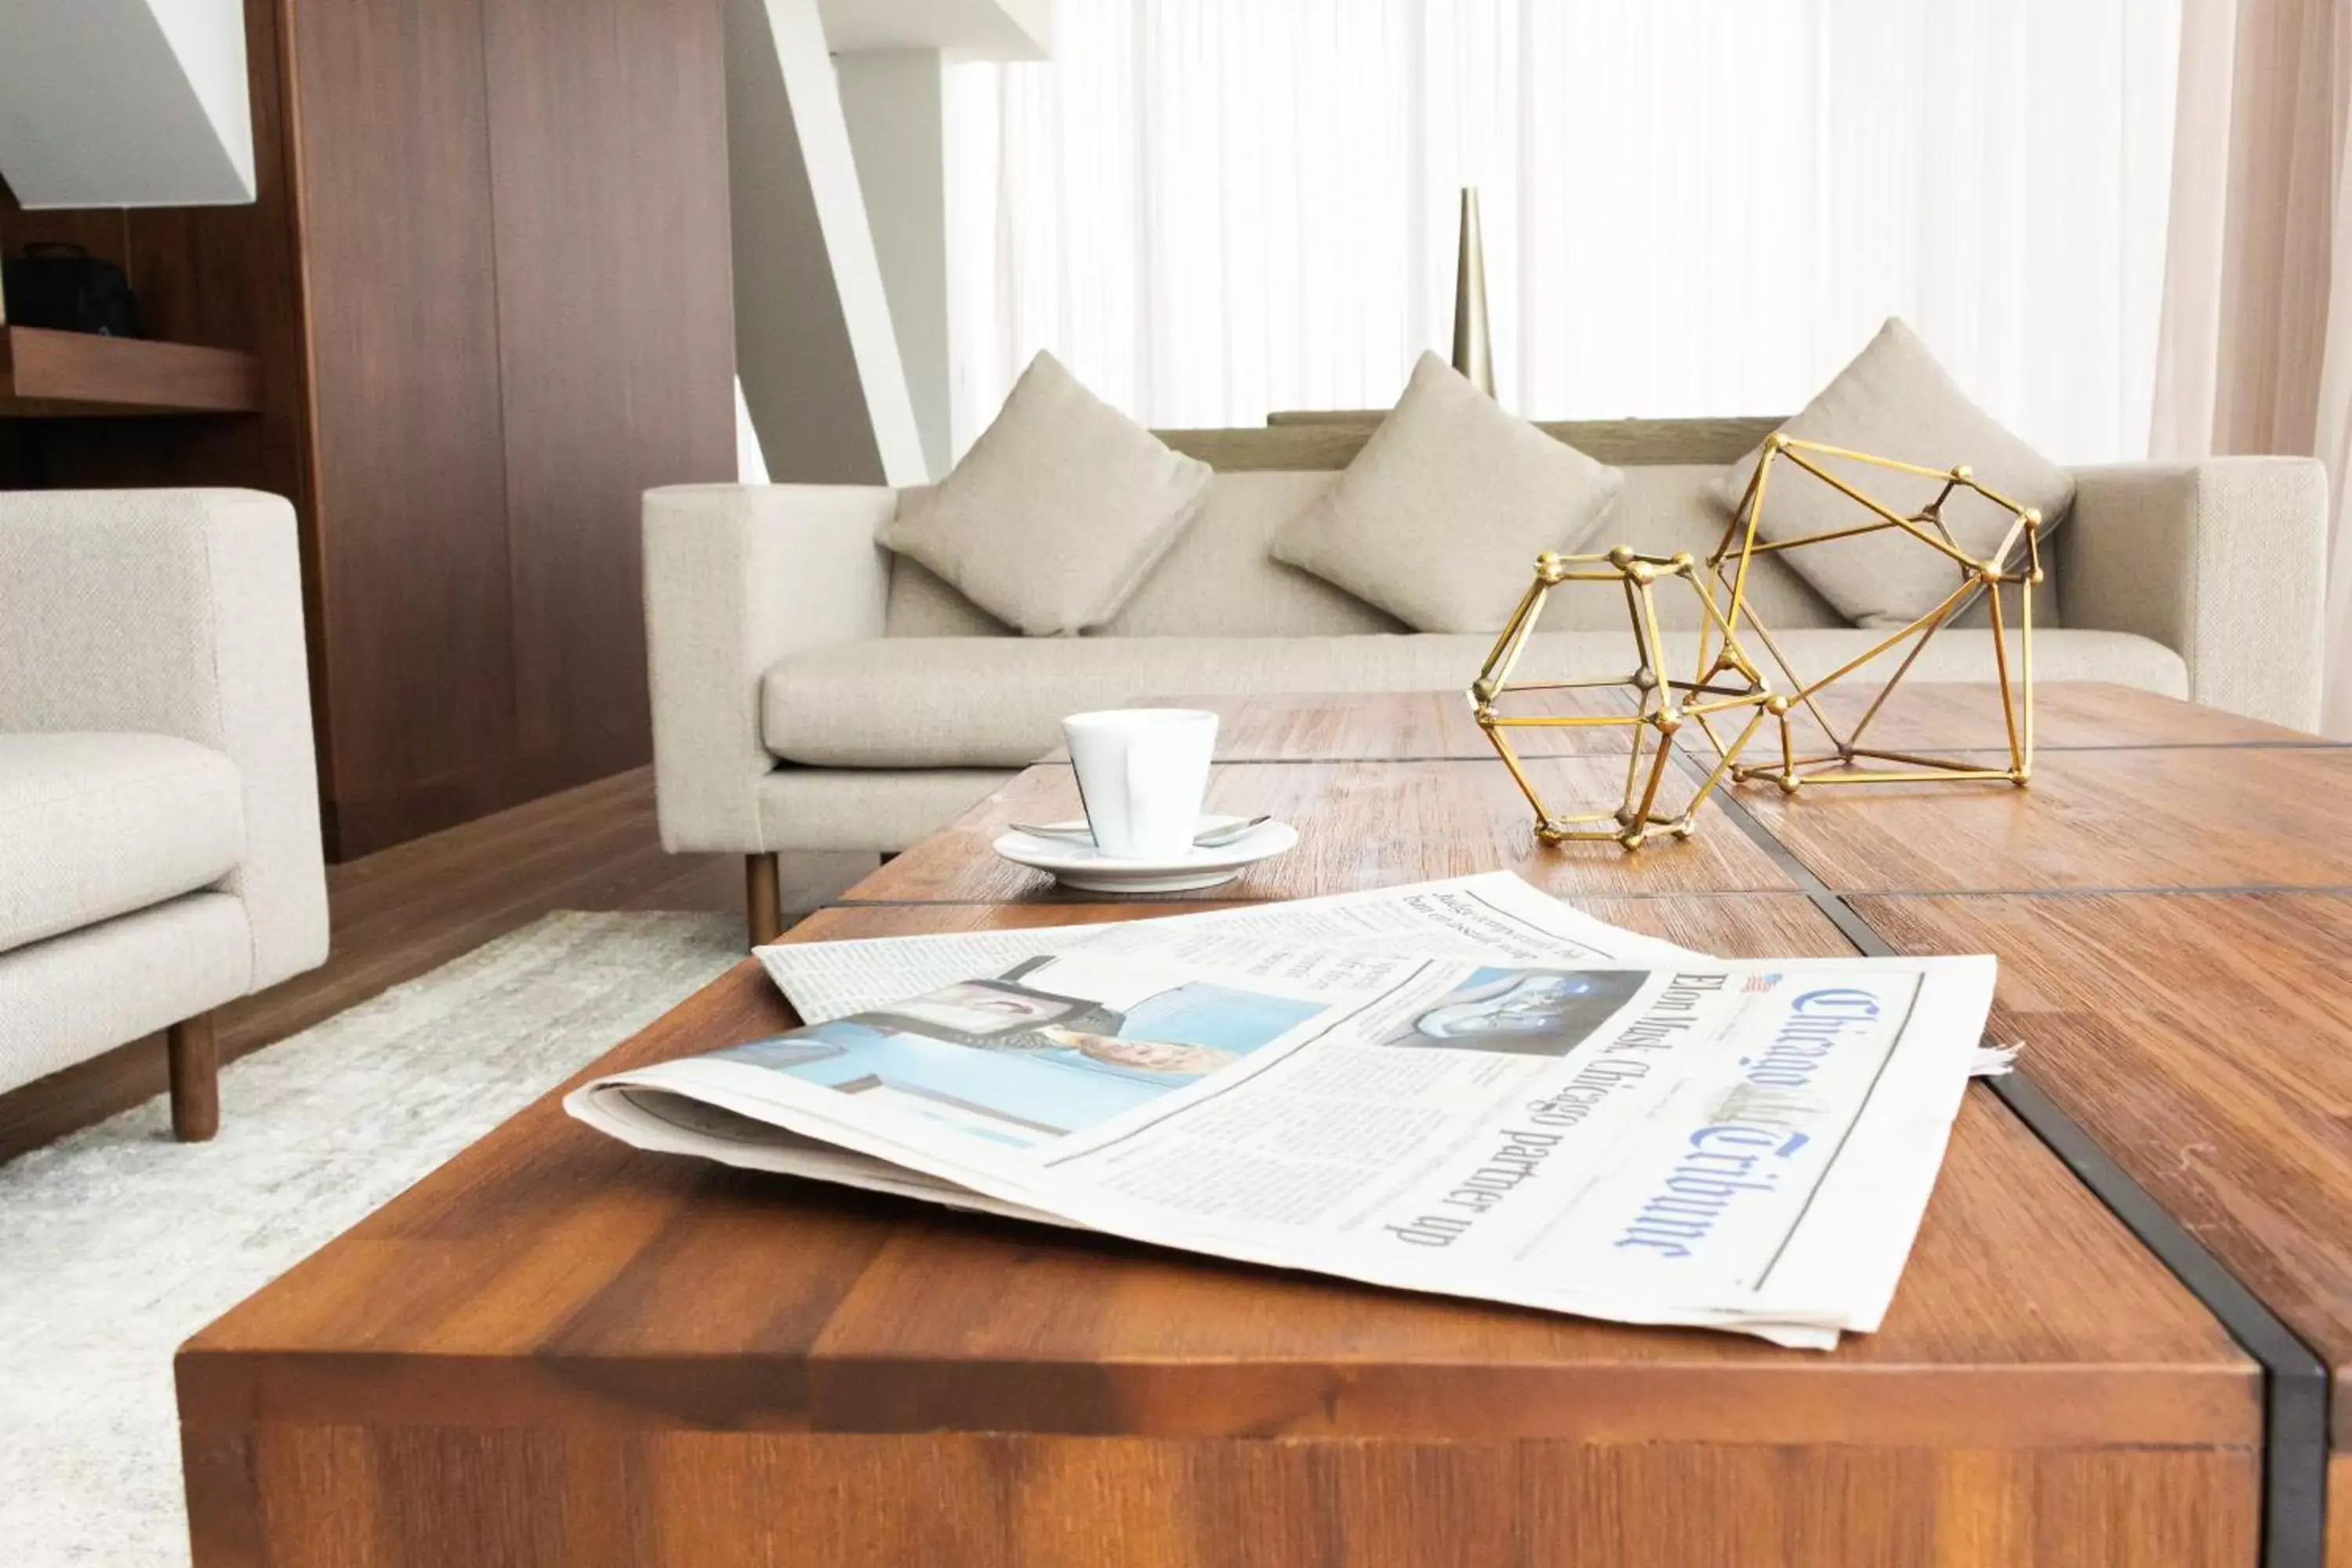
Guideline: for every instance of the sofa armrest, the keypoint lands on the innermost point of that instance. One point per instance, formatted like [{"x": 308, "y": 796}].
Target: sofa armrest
[
  {"x": 2223, "y": 561},
  {"x": 179, "y": 613},
  {"x": 736, "y": 577}
]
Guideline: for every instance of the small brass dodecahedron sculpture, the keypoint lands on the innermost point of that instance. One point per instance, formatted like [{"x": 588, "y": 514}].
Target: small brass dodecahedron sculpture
[
  {"x": 2015, "y": 562},
  {"x": 1652, "y": 709}
]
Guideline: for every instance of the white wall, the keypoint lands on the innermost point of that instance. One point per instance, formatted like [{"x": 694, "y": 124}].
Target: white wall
[
  {"x": 814, "y": 343},
  {"x": 967, "y": 29},
  {"x": 890, "y": 99},
  {"x": 125, "y": 103}
]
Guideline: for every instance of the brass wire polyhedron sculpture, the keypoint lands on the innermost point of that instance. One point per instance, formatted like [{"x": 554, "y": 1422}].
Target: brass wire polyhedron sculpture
[
  {"x": 1660, "y": 706},
  {"x": 2015, "y": 562}
]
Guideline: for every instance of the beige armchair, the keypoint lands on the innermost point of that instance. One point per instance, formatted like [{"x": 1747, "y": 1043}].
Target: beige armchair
[{"x": 159, "y": 817}]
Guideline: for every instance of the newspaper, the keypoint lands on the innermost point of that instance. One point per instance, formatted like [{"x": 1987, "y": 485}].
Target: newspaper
[
  {"x": 1553, "y": 1113},
  {"x": 1495, "y": 917}
]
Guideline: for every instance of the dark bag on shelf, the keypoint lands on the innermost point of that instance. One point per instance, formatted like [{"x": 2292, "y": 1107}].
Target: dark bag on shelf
[{"x": 66, "y": 287}]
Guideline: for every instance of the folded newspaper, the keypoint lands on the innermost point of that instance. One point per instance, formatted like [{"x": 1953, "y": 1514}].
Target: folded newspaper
[{"x": 1462, "y": 1086}]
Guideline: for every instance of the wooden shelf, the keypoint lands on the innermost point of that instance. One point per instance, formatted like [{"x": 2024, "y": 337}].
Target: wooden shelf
[{"x": 52, "y": 374}]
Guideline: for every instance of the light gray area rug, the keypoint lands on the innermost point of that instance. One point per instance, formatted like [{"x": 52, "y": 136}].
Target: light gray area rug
[{"x": 117, "y": 1244}]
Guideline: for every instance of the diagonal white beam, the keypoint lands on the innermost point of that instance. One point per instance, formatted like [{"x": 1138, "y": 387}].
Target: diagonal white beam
[{"x": 814, "y": 346}]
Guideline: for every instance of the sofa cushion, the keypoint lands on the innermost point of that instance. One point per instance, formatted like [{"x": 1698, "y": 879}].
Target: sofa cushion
[
  {"x": 1056, "y": 513},
  {"x": 922, "y": 603},
  {"x": 1219, "y": 580},
  {"x": 1440, "y": 517},
  {"x": 95, "y": 825},
  {"x": 979, "y": 702},
  {"x": 1665, "y": 508},
  {"x": 1216, "y": 580},
  {"x": 81, "y": 992},
  {"x": 1894, "y": 400}
]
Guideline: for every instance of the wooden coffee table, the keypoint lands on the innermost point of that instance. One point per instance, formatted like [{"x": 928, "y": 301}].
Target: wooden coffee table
[{"x": 2111, "y": 1346}]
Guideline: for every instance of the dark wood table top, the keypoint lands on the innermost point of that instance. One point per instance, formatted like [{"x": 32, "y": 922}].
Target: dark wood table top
[
  {"x": 551, "y": 1278},
  {"x": 2206, "y": 1040},
  {"x": 550, "y": 1273},
  {"x": 1361, "y": 825},
  {"x": 2139, "y": 818},
  {"x": 1922, "y": 716}
]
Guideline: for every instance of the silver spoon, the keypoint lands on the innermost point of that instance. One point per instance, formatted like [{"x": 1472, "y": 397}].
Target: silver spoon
[{"x": 1213, "y": 838}]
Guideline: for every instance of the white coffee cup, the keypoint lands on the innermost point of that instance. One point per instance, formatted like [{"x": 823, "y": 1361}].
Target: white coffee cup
[{"x": 1141, "y": 774}]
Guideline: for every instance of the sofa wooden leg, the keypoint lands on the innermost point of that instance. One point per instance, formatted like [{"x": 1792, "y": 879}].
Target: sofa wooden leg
[
  {"x": 763, "y": 898},
  {"x": 195, "y": 1079}
]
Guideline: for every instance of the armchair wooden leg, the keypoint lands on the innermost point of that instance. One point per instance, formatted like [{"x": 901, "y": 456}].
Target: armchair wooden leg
[
  {"x": 763, "y": 898},
  {"x": 195, "y": 1079}
]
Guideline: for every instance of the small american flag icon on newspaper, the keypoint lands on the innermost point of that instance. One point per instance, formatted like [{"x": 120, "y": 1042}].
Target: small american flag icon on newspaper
[{"x": 1758, "y": 982}]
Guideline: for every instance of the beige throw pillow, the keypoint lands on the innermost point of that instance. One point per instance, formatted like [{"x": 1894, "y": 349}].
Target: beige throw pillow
[
  {"x": 1895, "y": 400},
  {"x": 1056, "y": 513},
  {"x": 1441, "y": 515}
]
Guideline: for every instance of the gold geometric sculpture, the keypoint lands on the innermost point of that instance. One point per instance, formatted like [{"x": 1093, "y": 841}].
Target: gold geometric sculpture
[
  {"x": 1971, "y": 577},
  {"x": 1659, "y": 706}
]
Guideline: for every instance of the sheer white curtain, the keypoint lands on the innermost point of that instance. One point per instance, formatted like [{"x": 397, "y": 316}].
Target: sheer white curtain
[{"x": 1212, "y": 208}]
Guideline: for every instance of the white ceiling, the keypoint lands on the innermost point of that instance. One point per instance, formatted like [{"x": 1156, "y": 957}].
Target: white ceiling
[{"x": 972, "y": 29}]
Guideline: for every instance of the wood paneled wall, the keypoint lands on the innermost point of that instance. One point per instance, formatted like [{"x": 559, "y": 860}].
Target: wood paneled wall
[
  {"x": 390, "y": 104},
  {"x": 654, "y": 379},
  {"x": 488, "y": 276},
  {"x": 516, "y": 224}
]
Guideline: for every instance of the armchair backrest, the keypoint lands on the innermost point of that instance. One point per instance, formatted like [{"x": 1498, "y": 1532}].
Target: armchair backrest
[{"x": 178, "y": 612}]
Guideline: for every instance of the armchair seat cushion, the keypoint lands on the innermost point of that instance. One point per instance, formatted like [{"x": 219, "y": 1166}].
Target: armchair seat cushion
[
  {"x": 992, "y": 702},
  {"x": 95, "y": 824}
]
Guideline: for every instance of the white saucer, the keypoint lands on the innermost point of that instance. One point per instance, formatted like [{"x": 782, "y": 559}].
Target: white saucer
[{"x": 1082, "y": 866}]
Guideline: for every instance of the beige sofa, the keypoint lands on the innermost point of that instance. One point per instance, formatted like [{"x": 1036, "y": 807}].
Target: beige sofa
[
  {"x": 159, "y": 809},
  {"x": 813, "y": 691}
]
